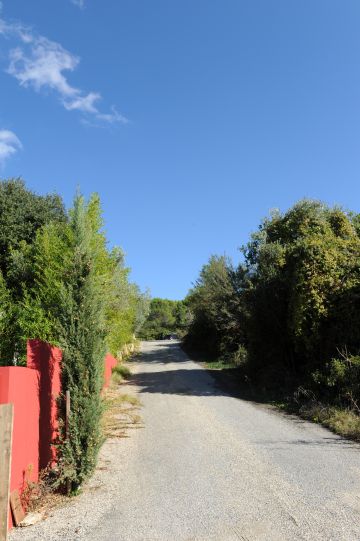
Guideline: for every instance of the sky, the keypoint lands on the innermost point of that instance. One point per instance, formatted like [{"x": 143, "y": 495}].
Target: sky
[{"x": 191, "y": 118}]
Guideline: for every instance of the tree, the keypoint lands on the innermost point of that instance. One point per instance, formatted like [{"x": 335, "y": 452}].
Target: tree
[
  {"x": 82, "y": 301},
  {"x": 294, "y": 301},
  {"x": 22, "y": 214},
  {"x": 303, "y": 301},
  {"x": 60, "y": 283},
  {"x": 165, "y": 317},
  {"x": 215, "y": 302}
]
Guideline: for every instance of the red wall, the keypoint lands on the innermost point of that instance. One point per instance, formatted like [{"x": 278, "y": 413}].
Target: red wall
[
  {"x": 110, "y": 362},
  {"x": 34, "y": 391},
  {"x": 20, "y": 386},
  {"x": 46, "y": 360}
]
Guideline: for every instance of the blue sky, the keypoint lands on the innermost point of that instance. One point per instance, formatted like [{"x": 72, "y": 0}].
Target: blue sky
[{"x": 191, "y": 118}]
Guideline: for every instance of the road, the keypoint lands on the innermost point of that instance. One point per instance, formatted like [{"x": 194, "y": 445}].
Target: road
[{"x": 208, "y": 466}]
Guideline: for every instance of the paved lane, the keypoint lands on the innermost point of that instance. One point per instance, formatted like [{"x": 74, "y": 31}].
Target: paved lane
[{"x": 207, "y": 466}]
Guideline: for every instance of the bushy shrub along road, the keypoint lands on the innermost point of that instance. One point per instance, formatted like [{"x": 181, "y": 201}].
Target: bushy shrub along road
[{"x": 208, "y": 466}]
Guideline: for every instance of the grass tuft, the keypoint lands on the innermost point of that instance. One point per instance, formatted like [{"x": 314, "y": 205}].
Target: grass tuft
[
  {"x": 120, "y": 413},
  {"x": 122, "y": 370},
  {"x": 341, "y": 421}
]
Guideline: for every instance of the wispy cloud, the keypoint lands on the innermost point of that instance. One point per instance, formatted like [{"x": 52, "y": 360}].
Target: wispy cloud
[
  {"x": 84, "y": 103},
  {"x": 113, "y": 117},
  {"x": 42, "y": 64},
  {"x": 79, "y": 3},
  {"x": 9, "y": 144}
]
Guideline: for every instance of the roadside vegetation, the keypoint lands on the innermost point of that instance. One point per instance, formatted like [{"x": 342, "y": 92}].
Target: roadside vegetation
[
  {"x": 59, "y": 282},
  {"x": 165, "y": 318},
  {"x": 286, "y": 321},
  {"x": 121, "y": 409}
]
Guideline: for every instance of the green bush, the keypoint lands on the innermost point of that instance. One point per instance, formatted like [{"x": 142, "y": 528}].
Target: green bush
[
  {"x": 290, "y": 306},
  {"x": 60, "y": 283},
  {"x": 122, "y": 371},
  {"x": 341, "y": 380},
  {"x": 240, "y": 357}
]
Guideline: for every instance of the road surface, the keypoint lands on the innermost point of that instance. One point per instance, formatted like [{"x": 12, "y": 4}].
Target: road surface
[{"x": 208, "y": 466}]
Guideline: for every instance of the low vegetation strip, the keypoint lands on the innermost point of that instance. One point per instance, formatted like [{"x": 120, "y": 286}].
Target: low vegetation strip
[{"x": 121, "y": 409}]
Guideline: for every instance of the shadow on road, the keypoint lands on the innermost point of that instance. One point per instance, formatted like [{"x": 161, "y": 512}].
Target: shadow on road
[
  {"x": 195, "y": 382},
  {"x": 164, "y": 353},
  {"x": 188, "y": 381}
]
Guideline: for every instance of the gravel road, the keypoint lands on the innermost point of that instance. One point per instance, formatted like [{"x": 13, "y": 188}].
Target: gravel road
[{"x": 207, "y": 466}]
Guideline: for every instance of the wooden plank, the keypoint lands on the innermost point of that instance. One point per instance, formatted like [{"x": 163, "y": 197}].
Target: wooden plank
[
  {"x": 16, "y": 507},
  {"x": 6, "y": 429}
]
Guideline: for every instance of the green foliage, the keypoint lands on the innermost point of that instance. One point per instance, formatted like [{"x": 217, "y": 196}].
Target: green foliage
[
  {"x": 165, "y": 317},
  {"x": 82, "y": 337},
  {"x": 290, "y": 306},
  {"x": 22, "y": 215},
  {"x": 302, "y": 303},
  {"x": 122, "y": 371},
  {"x": 60, "y": 283},
  {"x": 8, "y": 325},
  {"x": 66, "y": 306},
  {"x": 341, "y": 379},
  {"x": 82, "y": 301},
  {"x": 124, "y": 306},
  {"x": 217, "y": 309}
]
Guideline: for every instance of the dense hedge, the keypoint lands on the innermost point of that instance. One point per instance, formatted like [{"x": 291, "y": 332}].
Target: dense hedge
[
  {"x": 72, "y": 291},
  {"x": 292, "y": 305}
]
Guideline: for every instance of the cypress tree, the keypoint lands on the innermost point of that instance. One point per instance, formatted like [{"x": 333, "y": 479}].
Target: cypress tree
[{"x": 82, "y": 336}]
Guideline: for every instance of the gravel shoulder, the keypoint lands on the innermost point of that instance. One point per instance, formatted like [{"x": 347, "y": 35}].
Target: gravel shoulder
[{"x": 209, "y": 466}]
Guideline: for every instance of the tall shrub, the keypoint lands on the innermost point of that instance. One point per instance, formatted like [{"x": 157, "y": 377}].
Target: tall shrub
[
  {"x": 303, "y": 303},
  {"x": 82, "y": 333},
  {"x": 82, "y": 301},
  {"x": 23, "y": 213},
  {"x": 216, "y": 303}
]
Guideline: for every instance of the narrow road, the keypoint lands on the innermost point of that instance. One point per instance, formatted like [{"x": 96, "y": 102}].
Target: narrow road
[{"x": 207, "y": 466}]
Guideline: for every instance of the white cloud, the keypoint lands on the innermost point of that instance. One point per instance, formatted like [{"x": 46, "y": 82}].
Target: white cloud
[
  {"x": 40, "y": 63},
  {"x": 79, "y": 3},
  {"x": 9, "y": 144},
  {"x": 83, "y": 103},
  {"x": 17, "y": 30},
  {"x": 43, "y": 66},
  {"x": 113, "y": 117}
]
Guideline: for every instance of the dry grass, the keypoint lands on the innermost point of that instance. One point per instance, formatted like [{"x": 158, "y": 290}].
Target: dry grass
[
  {"x": 41, "y": 497},
  {"x": 116, "y": 378},
  {"x": 120, "y": 414},
  {"x": 120, "y": 409},
  {"x": 121, "y": 370},
  {"x": 341, "y": 421}
]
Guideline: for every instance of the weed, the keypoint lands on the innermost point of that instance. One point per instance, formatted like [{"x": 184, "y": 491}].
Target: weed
[
  {"x": 120, "y": 413},
  {"x": 341, "y": 421},
  {"x": 116, "y": 379},
  {"x": 41, "y": 496},
  {"x": 219, "y": 365},
  {"x": 121, "y": 370}
]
